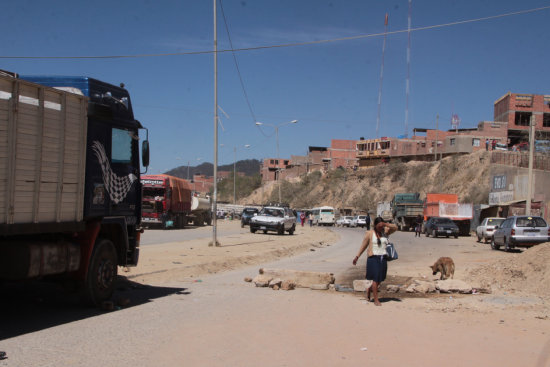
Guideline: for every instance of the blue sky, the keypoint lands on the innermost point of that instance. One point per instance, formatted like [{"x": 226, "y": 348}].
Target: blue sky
[{"x": 330, "y": 88}]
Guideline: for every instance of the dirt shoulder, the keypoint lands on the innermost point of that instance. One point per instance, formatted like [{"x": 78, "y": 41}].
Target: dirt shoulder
[{"x": 187, "y": 260}]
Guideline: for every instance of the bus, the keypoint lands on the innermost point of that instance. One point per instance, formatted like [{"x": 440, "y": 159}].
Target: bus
[{"x": 324, "y": 216}]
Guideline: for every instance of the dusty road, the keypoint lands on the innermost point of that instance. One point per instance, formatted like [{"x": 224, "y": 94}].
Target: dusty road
[{"x": 190, "y": 318}]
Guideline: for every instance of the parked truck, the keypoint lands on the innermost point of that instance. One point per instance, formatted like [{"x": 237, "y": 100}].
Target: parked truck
[
  {"x": 168, "y": 202},
  {"x": 70, "y": 196},
  {"x": 405, "y": 209},
  {"x": 383, "y": 209},
  {"x": 447, "y": 206}
]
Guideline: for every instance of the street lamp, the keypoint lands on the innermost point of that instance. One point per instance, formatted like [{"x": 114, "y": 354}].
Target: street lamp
[{"x": 276, "y": 127}]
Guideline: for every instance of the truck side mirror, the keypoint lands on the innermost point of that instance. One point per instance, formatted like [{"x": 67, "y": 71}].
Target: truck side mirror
[{"x": 145, "y": 153}]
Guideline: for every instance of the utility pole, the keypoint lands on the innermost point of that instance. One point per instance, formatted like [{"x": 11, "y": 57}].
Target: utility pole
[
  {"x": 530, "y": 170},
  {"x": 436, "y": 131},
  {"x": 215, "y": 194}
]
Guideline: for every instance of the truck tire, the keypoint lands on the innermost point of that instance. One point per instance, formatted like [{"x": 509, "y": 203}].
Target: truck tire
[
  {"x": 208, "y": 220},
  {"x": 102, "y": 273}
]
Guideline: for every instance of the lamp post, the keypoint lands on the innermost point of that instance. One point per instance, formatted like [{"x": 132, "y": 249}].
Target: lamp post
[{"x": 276, "y": 127}]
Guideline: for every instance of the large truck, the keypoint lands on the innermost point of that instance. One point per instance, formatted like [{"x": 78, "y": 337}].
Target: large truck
[
  {"x": 169, "y": 202},
  {"x": 383, "y": 210},
  {"x": 406, "y": 207},
  {"x": 70, "y": 195},
  {"x": 447, "y": 206}
]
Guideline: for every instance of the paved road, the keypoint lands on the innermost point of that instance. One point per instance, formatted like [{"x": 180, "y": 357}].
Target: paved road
[{"x": 223, "y": 321}]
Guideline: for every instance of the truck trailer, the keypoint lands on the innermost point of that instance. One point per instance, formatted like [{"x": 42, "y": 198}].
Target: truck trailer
[
  {"x": 169, "y": 202},
  {"x": 447, "y": 206},
  {"x": 405, "y": 209},
  {"x": 70, "y": 195}
]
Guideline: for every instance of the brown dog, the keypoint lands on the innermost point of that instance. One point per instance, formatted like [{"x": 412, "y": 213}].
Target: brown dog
[{"x": 445, "y": 266}]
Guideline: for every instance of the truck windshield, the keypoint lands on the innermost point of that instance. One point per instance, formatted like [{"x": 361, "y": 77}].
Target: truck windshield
[{"x": 152, "y": 193}]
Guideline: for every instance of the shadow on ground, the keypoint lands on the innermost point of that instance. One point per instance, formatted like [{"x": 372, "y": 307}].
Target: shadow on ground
[{"x": 27, "y": 307}]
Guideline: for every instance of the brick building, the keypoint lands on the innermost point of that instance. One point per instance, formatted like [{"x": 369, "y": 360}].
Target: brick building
[{"x": 516, "y": 110}]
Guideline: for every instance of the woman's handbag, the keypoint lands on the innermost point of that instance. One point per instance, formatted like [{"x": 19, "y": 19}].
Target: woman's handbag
[{"x": 391, "y": 252}]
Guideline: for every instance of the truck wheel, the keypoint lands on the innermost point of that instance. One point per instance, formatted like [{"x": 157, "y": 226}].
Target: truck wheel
[{"x": 102, "y": 272}]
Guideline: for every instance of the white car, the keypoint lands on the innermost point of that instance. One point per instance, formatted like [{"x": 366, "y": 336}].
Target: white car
[
  {"x": 353, "y": 222},
  {"x": 346, "y": 221},
  {"x": 274, "y": 218},
  {"x": 361, "y": 221},
  {"x": 486, "y": 229}
]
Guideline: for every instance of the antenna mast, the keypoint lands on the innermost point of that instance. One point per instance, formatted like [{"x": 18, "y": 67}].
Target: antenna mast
[
  {"x": 407, "y": 88},
  {"x": 381, "y": 76}
]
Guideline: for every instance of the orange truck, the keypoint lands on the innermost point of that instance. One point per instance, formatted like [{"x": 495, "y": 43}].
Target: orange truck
[
  {"x": 169, "y": 202},
  {"x": 447, "y": 206}
]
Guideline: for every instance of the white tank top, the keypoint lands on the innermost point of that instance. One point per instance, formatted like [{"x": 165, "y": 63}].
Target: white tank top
[{"x": 379, "y": 249}]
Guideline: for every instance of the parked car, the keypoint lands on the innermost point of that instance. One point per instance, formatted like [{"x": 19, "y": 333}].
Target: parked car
[
  {"x": 353, "y": 222},
  {"x": 246, "y": 214},
  {"x": 485, "y": 230},
  {"x": 361, "y": 221},
  {"x": 346, "y": 221},
  {"x": 520, "y": 231},
  {"x": 438, "y": 226},
  {"x": 501, "y": 146},
  {"x": 274, "y": 218}
]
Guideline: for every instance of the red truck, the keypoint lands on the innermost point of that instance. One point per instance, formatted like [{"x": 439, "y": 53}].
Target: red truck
[
  {"x": 447, "y": 206},
  {"x": 169, "y": 202}
]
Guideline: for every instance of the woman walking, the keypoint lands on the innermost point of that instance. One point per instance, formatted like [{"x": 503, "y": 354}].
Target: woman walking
[{"x": 375, "y": 242}]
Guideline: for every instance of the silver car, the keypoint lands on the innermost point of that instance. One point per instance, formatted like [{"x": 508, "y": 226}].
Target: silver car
[
  {"x": 520, "y": 231},
  {"x": 485, "y": 230}
]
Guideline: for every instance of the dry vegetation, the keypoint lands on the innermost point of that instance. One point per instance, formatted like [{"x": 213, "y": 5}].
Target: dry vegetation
[{"x": 464, "y": 175}]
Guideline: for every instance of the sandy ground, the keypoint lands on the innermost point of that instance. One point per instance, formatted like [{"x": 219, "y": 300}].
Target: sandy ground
[
  {"x": 508, "y": 327},
  {"x": 189, "y": 260}
]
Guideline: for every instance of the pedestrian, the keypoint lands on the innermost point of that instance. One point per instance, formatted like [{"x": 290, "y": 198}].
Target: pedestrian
[
  {"x": 486, "y": 144},
  {"x": 493, "y": 144},
  {"x": 367, "y": 221},
  {"x": 418, "y": 225},
  {"x": 375, "y": 242},
  {"x": 302, "y": 218},
  {"x": 310, "y": 219}
]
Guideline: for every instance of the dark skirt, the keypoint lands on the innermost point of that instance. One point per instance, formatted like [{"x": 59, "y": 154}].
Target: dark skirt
[{"x": 377, "y": 268}]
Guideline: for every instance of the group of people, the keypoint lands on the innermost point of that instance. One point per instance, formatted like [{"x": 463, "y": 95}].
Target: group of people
[{"x": 304, "y": 216}]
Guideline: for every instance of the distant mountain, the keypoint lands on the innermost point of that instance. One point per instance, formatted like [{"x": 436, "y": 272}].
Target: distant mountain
[{"x": 250, "y": 167}]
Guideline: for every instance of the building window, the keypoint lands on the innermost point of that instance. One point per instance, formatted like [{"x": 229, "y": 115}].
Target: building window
[
  {"x": 272, "y": 161},
  {"x": 475, "y": 142},
  {"x": 546, "y": 120},
  {"x": 453, "y": 140},
  {"x": 523, "y": 118}
]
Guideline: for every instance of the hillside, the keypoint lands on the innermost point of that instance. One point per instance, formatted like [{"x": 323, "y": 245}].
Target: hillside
[
  {"x": 464, "y": 175},
  {"x": 250, "y": 167}
]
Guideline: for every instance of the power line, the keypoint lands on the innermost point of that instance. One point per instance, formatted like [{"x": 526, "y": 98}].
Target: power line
[
  {"x": 237, "y": 66},
  {"x": 295, "y": 44}
]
